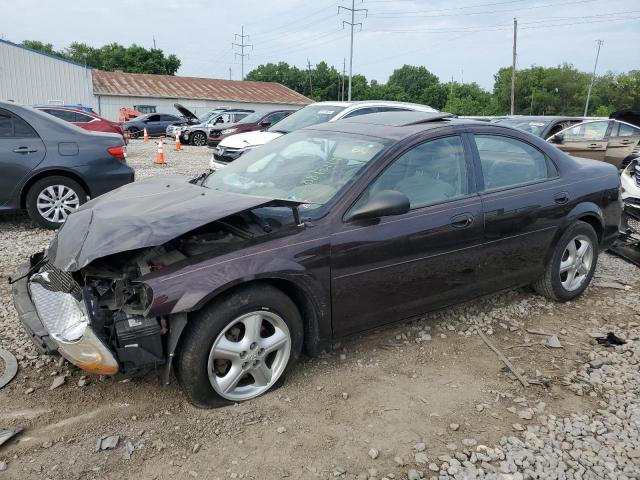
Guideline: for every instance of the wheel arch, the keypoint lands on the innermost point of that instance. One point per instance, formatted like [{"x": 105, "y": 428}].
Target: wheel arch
[
  {"x": 50, "y": 173},
  {"x": 308, "y": 305},
  {"x": 587, "y": 212}
]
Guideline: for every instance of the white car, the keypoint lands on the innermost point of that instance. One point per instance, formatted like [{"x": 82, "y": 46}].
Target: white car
[{"x": 233, "y": 146}]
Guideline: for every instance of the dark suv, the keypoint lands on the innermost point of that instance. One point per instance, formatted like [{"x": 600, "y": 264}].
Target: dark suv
[
  {"x": 51, "y": 167},
  {"x": 250, "y": 123}
]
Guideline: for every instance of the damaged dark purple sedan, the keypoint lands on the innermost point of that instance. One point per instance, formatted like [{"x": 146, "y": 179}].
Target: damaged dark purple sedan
[{"x": 319, "y": 234}]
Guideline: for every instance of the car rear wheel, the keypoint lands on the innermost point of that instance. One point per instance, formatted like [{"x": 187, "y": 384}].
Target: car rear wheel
[
  {"x": 198, "y": 139},
  {"x": 572, "y": 265},
  {"x": 133, "y": 132},
  {"x": 239, "y": 347},
  {"x": 52, "y": 199}
]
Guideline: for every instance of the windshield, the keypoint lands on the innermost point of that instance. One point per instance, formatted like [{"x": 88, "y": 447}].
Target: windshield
[
  {"x": 310, "y": 115},
  {"x": 532, "y": 126},
  {"x": 252, "y": 117},
  {"x": 208, "y": 116},
  {"x": 305, "y": 166}
]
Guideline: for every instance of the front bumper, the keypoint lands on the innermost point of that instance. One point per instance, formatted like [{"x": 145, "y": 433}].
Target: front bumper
[{"x": 88, "y": 352}]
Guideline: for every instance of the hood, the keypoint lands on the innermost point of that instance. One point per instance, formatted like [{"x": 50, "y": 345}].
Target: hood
[
  {"x": 249, "y": 139},
  {"x": 186, "y": 113},
  {"x": 146, "y": 213}
]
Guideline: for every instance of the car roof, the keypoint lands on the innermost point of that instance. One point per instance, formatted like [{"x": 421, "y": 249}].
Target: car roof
[
  {"x": 541, "y": 118},
  {"x": 393, "y": 125}
]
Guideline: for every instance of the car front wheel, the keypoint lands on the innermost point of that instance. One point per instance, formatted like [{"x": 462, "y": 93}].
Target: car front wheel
[
  {"x": 572, "y": 265},
  {"x": 239, "y": 347},
  {"x": 198, "y": 139},
  {"x": 134, "y": 132},
  {"x": 52, "y": 199}
]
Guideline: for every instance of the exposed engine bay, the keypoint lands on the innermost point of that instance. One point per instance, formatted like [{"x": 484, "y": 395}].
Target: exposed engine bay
[
  {"x": 627, "y": 245},
  {"x": 117, "y": 300}
]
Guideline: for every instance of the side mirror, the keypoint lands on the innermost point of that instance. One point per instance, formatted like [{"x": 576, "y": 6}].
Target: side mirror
[
  {"x": 557, "y": 138},
  {"x": 382, "y": 204},
  {"x": 265, "y": 123}
]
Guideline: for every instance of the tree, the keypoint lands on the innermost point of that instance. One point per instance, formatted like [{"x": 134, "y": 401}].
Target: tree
[
  {"x": 132, "y": 59},
  {"x": 39, "y": 46},
  {"x": 414, "y": 80}
]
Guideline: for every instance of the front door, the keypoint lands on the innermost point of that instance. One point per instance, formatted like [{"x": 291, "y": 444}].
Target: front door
[
  {"x": 587, "y": 140},
  {"x": 154, "y": 125},
  {"x": 400, "y": 266},
  {"x": 21, "y": 150}
]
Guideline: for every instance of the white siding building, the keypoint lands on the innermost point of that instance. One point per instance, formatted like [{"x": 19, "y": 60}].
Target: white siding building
[{"x": 30, "y": 77}]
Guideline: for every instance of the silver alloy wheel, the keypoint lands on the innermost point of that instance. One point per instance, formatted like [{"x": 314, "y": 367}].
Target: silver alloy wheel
[
  {"x": 249, "y": 355},
  {"x": 199, "y": 139},
  {"x": 56, "y": 202},
  {"x": 576, "y": 262}
]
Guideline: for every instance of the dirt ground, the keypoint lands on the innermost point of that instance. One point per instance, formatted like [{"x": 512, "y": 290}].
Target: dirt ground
[{"x": 430, "y": 380}]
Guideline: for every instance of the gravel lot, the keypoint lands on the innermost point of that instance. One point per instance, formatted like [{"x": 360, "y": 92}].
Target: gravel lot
[{"x": 420, "y": 399}]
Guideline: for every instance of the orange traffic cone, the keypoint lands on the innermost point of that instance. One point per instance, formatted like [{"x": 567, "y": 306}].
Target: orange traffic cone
[
  {"x": 146, "y": 135},
  {"x": 160, "y": 154},
  {"x": 178, "y": 144}
]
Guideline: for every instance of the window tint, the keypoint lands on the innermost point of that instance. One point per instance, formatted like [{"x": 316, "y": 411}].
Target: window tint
[
  {"x": 507, "y": 162},
  {"x": 587, "y": 131},
  {"x": 626, "y": 130},
  {"x": 82, "y": 118},
  {"x": 22, "y": 129},
  {"x": 361, "y": 111},
  {"x": 432, "y": 172},
  {"x": 169, "y": 118},
  {"x": 65, "y": 115},
  {"x": 6, "y": 126},
  {"x": 276, "y": 117},
  {"x": 154, "y": 118},
  {"x": 14, "y": 127},
  {"x": 393, "y": 109}
]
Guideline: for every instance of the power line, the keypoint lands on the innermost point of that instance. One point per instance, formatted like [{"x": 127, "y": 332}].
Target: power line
[
  {"x": 352, "y": 24},
  {"x": 593, "y": 76},
  {"x": 242, "y": 46}
]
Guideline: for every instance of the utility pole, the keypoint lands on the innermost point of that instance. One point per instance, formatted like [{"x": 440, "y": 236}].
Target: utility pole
[
  {"x": 229, "y": 73},
  {"x": 593, "y": 76},
  {"x": 310, "y": 84},
  {"x": 242, "y": 46},
  {"x": 352, "y": 24},
  {"x": 344, "y": 70},
  {"x": 513, "y": 67},
  {"x": 154, "y": 43}
]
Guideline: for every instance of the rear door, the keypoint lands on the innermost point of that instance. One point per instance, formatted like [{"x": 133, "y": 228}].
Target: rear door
[
  {"x": 404, "y": 265},
  {"x": 524, "y": 200},
  {"x": 21, "y": 150},
  {"x": 587, "y": 140},
  {"x": 622, "y": 140}
]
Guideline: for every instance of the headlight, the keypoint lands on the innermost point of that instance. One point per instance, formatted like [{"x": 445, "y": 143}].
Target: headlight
[
  {"x": 65, "y": 318},
  {"x": 228, "y": 131}
]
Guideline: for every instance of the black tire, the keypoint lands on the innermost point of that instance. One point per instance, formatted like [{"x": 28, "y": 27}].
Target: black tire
[
  {"x": 207, "y": 324},
  {"x": 550, "y": 283},
  {"x": 133, "y": 132},
  {"x": 198, "y": 139},
  {"x": 40, "y": 186}
]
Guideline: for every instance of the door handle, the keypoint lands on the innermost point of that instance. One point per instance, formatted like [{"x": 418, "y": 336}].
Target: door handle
[
  {"x": 461, "y": 221},
  {"x": 25, "y": 150},
  {"x": 561, "y": 198},
  {"x": 593, "y": 145}
]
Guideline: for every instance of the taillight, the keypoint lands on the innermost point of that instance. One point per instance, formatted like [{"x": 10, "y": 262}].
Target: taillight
[{"x": 118, "y": 152}]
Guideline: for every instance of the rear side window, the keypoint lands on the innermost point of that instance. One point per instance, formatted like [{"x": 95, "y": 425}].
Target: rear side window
[
  {"x": 169, "y": 118},
  {"x": 82, "y": 118},
  {"x": 625, "y": 130},
  {"x": 361, "y": 111},
  {"x": 12, "y": 126},
  {"x": 65, "y": 115},
  {"x": 508, "y": 162}
]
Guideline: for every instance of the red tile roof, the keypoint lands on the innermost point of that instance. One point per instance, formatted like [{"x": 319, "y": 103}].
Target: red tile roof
[{"x": 168, "y": 86}]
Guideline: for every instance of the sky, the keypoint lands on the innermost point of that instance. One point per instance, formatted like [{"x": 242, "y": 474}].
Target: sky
[{"x": 467, "y": 40}]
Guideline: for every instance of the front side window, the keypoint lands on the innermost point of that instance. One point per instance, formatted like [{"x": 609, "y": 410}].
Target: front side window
[
  {"x": 306, "y": 166},
  {"x": 589, "y": 131},
  {"x": 509, "y": 162},
  {"x": 276, "y": 117},
  {"x": 153, "y": 118},
  {"x": 432, "y": 172},
  {"x": 66, "y": 115},
  {"x": 361, "y": 111}
]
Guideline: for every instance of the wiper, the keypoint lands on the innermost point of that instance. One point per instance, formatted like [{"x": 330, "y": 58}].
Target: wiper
[{"x": 284, "y": 132}]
